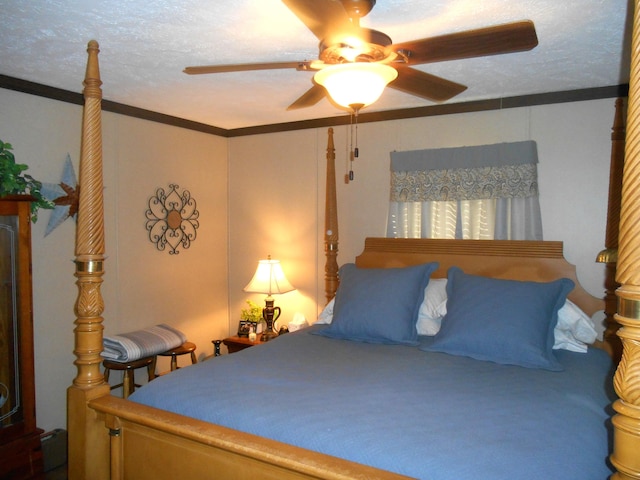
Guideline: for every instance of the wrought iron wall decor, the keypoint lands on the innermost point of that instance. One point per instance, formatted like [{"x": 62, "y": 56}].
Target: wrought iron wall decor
[{"x": 172, "y": 219}]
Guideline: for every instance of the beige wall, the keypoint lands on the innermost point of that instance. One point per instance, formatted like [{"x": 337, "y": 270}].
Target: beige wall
[
  {"x": 268, "y": 199},
  {"x": 273, "y": 210},
  {"x": 142, "y": 286}
]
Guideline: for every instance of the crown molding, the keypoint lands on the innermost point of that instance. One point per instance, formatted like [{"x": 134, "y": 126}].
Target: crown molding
[{"x": 613, "y": 91}]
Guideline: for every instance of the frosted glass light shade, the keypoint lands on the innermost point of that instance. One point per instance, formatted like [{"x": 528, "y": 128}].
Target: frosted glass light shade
[
  {"x": 356, "y": 83},
  {"x": 269, "y": 278}
]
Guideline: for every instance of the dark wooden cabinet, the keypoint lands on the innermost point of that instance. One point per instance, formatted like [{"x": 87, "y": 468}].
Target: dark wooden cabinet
[{"x": 20, "y": 448}]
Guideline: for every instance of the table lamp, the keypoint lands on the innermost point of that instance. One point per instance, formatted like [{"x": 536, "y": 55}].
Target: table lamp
[{"x": 270, "y": 280}]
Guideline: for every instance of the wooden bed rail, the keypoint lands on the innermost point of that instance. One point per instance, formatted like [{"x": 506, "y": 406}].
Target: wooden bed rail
[{"x": 203, "y": 450}]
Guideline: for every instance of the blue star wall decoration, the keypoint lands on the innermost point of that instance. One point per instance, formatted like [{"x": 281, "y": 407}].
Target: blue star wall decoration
[{"x": 65, "y": 196}]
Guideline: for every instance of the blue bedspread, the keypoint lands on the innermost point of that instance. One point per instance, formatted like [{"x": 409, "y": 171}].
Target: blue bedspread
[{"x": 423, "y": 414}]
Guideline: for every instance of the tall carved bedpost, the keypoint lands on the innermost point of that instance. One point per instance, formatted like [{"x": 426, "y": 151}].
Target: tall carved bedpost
[
  {"x": 626, "y": 421},
  {"x": 86, "y": 434},
  {"x": 609, "y": 256},
  {"x": 331, "y": 223}
]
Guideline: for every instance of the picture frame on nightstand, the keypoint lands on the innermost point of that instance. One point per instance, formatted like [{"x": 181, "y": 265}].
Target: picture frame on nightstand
[{"x": 244, "y": 328}]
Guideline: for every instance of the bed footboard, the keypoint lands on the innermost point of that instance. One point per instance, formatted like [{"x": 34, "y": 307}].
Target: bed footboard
[{"x": 175, "y": 446}]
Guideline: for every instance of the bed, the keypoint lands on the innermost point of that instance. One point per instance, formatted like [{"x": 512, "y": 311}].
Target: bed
[
  {"x": 109, "y": 436},
  {"x": 398, "y": 407}
]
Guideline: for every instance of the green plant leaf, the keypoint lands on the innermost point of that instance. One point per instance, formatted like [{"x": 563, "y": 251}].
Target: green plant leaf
[{"x": 14, "y": 182}]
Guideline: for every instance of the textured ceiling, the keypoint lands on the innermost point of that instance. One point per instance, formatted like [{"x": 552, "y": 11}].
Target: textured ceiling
[{"x": 146, "y": 44}]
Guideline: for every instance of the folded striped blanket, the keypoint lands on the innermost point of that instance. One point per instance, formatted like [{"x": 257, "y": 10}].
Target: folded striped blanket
[{"x": 127, "y": 347}]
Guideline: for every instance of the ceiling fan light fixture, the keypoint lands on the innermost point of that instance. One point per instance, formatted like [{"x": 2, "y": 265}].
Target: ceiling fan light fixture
[{"x": 358, "y": 83}]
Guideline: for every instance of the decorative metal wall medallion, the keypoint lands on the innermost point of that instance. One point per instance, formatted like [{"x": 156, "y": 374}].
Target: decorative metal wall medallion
[{"x": 172, "y": 219}]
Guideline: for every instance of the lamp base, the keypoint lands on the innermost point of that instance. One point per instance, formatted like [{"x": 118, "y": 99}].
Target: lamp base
[
  {"x": 268, "y": 335},
  {"x": 270, "y": 315}
]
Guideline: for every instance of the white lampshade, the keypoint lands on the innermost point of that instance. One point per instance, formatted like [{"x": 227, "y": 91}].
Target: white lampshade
[
  {"x": 269, "y": 278},
  {"x": 358, "y": 83}
]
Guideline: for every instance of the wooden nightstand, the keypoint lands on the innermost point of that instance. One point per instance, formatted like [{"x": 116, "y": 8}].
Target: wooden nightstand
[{"x": 235, "y": 344}]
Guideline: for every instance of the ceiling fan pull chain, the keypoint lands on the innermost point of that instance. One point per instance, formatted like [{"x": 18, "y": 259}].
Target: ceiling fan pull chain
[
  {"x": 355, "y": 151},
  {"x": 347, "y": 158},
  {"x": 352, "y": 152}
]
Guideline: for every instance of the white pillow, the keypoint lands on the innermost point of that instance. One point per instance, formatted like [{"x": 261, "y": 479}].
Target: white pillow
[
  {"x": 326, "y": 316},
  {"x": 433, "y": 308},
  {"x": 574, "y": 331}
]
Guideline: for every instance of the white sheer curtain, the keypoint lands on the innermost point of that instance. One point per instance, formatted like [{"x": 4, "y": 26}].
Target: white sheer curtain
[{"x": 483, "y": 192}]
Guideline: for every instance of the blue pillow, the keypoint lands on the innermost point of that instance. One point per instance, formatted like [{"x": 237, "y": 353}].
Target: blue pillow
[
  {"x": 379, "y": 305},
  {"x": 502, "y": 321}
]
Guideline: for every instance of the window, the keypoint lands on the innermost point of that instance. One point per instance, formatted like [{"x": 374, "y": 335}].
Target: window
[{"x": 482, "y": 192}]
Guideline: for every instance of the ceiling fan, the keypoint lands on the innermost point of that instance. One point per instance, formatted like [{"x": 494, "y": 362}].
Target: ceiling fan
[{"x": 336, "y": 23}]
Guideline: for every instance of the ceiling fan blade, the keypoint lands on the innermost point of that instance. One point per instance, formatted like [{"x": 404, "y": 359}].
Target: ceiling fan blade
[
  {"x": 325, "y": 18},
  {"x": 425, "y": 85},
  {"x": 310, "y": 98},
  {"x": 495, "y": 40},
  {"x": 245, "y": 67}
]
